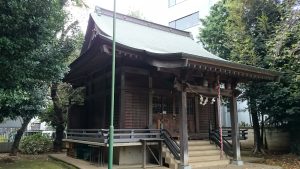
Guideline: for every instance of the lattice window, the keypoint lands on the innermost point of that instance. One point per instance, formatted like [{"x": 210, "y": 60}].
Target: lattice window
[{"x": 162, "y": 103}]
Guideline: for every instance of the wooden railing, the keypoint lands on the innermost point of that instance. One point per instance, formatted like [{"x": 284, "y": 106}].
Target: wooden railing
[
  {"x": 126, "y": 136},
  {"x": 171, "y": 143},
  {"x": 226, "y": 132},
  {"x": 120, "y": 135},
  {"x": 214, "y": 136}
]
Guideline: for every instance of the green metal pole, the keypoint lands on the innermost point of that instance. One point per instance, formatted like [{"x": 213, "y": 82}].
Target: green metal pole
[{"x": 111, "y": 127}]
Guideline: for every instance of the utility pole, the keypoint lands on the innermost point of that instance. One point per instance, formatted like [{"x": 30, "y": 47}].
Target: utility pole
[{"x": 111, "y": 127}]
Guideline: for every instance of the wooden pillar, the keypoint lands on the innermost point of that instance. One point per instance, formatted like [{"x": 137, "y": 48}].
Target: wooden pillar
[
  {"x": 150, "y": 111},
  {"x": 197, "y": 114},
  {"x": 235, "y": 132},
  {"x": 144, "y": 154},
  {"x": 184, "y": 157},
  {"x": 122, "y": 100}
]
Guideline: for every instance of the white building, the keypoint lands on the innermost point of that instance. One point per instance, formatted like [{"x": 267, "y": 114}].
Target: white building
[{"x": 186, "y": 14}]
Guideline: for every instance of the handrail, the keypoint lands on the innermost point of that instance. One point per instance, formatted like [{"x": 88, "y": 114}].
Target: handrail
[
  {"x": 215, "y": 137},
  {"x": 171, "y": 143}
]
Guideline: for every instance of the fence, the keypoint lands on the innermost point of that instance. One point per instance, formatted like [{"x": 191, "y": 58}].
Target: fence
[{"x": 6, "y": 139}]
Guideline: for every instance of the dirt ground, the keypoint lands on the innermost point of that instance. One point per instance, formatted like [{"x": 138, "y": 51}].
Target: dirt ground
[{"x": 286, "y": 161}]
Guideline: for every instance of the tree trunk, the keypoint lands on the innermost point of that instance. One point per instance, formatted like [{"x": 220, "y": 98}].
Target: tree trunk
[
  {"x": 59, "y": 120},
  {"x": 256, "y": 128},
  {"x": 15, "y": 146},
  {"x": 262, "y": 128}
]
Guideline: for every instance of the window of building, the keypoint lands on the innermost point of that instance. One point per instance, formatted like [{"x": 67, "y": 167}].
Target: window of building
[
  {"x": 190, "y": 105},
  {"x": 162, "y": 103},
  {"x": 186, "y": 22},
  {"x": 174, "y": 2}
]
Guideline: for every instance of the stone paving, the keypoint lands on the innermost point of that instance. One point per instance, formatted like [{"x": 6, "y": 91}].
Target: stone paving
[{"x": 81, "y": 164}]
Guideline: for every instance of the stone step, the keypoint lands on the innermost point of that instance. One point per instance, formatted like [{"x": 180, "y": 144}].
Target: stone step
[
  {"x": 174, "y": 165},
  {"x": 203, "y": 153},
  {"x": 202, "y": 147},
  {"x": 206, "y": 164},
  {"x": 198, "y": 143},
  {"x": 204, "y": 158}
]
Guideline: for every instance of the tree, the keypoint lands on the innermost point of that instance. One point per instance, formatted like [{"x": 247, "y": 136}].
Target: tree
[
  {"x": 35, "y": 104},
  {"x": 31, "y": 57},
  {"x": 248, "y": 28},
  {"x": 284, "y": 49},
  {"x": 63, "y": 97},
  {"x": 213, "y": 36}
]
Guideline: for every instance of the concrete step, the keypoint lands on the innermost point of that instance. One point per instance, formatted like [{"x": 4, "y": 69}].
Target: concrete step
[
  {"x": 206, "y": 164},
  {"x": 204, "y": 158},
  {"x": 204, "y": 153}
]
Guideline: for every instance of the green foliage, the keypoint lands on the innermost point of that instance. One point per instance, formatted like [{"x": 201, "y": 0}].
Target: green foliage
[
  {"x": 35, "y": 144},
  {"x": 213, "y": 35},
  {"x": 284, "y": 50},
  {"x": 24, "y": 28},
  {"x": 263, "y": 33},
  {"x": 67, "y": 97},
  {"x": 295, "y": 148},
  {"x": 35, "y": 45},
  {"x": 28, "y": 32}
]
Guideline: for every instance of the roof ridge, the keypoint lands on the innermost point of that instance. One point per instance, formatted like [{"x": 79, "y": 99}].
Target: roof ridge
[{"x": 102, "y": 11}]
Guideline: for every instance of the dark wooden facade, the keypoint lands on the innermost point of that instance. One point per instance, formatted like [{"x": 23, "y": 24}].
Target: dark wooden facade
[
  {"x": 145, "y": 98},
  {"x": 155, "y": 90}
]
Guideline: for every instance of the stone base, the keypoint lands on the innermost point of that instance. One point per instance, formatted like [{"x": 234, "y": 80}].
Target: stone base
[
  {"x": 237, "y": 162},
  {"x": 185, "y": 167}
]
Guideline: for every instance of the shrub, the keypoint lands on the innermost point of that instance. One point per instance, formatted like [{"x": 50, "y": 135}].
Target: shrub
[
  {"x": 35, "y": 144},
  {"x": 295, "y": 148}
]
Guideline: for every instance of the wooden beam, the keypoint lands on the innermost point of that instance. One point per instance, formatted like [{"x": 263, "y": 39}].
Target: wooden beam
[
  {"x": 174, "y": 63},
  {"x": 202, "y": 90},
  {"x": 135, "y": 70},
  {"x": 235, "y": 131},
  {"x": 175, "y": 72}
]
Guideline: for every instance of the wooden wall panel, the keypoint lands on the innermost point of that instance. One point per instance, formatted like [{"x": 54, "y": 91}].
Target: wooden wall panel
[
  {"x": 207, "y": 113},
  {"x": 136, "y": 80},
  {"x": 136, "y": 109},
  {"x": 75, "y": 116}
]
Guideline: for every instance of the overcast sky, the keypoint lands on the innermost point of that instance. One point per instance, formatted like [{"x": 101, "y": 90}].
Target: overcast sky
[{"x": 152, "y": 10}]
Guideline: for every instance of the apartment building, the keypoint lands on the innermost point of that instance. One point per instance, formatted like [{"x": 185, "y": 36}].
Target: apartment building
[{"x": 186, "y": 14}]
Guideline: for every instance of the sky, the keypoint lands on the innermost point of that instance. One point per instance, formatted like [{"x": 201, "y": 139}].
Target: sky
[{"x": 151, "y": 10}]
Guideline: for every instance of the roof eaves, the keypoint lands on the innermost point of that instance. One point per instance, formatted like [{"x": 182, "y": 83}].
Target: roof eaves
[{"x": 233, "y": 65}]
